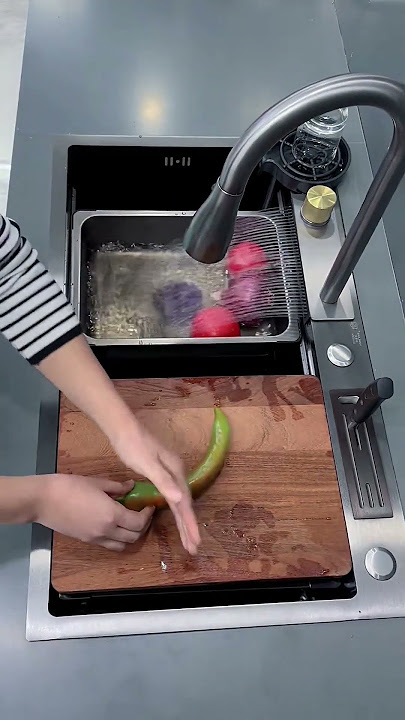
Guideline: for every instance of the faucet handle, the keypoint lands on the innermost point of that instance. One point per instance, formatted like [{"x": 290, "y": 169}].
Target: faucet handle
[{"x": 370, "y": 400}]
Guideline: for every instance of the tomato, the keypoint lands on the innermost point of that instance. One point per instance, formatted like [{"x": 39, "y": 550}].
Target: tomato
[
  {"x": 245, "y": 256},
  {"x": 214, "y": 322}
]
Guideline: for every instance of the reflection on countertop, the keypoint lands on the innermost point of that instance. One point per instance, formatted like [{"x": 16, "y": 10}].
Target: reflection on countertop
[{"x": 13, "y": 18}]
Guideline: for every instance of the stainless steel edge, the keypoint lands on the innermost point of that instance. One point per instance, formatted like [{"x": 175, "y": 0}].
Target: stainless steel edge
[
  {"x": 374, "y": 599},
  {"x": 319, "y": 247}
]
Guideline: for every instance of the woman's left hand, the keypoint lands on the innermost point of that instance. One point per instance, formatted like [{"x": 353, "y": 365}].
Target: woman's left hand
[{"x": 76, "y": 372}]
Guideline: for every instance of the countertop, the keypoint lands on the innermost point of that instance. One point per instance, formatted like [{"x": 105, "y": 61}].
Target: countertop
[{"x": 88, "y": 67}]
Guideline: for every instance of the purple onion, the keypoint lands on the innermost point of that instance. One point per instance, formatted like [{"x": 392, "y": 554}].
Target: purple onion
[{"x": 178, "y": 302}]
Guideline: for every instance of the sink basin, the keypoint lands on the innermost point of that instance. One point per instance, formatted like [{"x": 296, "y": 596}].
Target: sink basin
[
  {"x": 126, "y": 184},
  {"x": 121, "y": 259}
]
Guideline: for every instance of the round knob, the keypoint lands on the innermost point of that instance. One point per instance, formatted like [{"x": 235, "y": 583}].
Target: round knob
[
  {"x": 380, "y": 563},
  {"x": 318, "y": 205},
  {"x": 340, "y": 355}
]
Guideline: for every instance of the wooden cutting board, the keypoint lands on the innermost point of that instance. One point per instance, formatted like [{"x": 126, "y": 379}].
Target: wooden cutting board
[{"x": 273, "y": 513}]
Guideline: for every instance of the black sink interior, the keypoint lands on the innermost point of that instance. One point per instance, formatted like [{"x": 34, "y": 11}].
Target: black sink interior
[
  {"x": 214, "y": 360},
  {"x": 202, "y": 596},
  {"x": 151, "y": 178}
]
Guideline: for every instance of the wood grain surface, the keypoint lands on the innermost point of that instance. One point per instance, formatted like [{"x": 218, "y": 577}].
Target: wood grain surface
[{"x": 273, "y": 513}]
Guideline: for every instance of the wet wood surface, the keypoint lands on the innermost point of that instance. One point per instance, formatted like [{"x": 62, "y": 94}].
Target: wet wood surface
[{"x": 273, "y": 513}]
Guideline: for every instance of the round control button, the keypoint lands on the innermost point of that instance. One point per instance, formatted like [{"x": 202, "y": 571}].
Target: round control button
[
  {"x": 318, "y": 205},
  {"x": 340, "y": 355},
  {"x": 380, "y": 563}
]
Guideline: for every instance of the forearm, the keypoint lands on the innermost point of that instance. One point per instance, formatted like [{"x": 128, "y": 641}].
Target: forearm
[
  {"x": 36, "y": 317},
  {"x": 19, "y": 499},
  {"x": 38, "y": 320},
  {"x": 77, "y": 373}
]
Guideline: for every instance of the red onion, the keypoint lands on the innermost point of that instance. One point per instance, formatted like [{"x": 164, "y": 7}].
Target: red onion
[
  {"x": 178, "y": 302},
  {"x": 245, "y": 298}
]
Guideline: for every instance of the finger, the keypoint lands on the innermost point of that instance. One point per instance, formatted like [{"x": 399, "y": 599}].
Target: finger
[
  {"x": 124, "y": 536},
  {"x": 151, "y": 511},
  {"x": 181, "y": 508},
  {"x": 188, "y": 515},
  {"x": 114, "y": 545},
  {"x": 176, "y": 468},
  {"x": 190, "y": 521},
  {"x": 187, "y": 521},
  {"x": 131, "y": 536},
  {"x": 134, "y": 521},
  {"x": 120, "y": 488},
  {"x": 180, "y": 526},
  {"x": 187, "y": 525},
  {"x": 183, "y": 512},
  {"x": 115, "y": 488}
]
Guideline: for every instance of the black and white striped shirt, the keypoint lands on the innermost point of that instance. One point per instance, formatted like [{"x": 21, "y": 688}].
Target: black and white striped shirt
[{"x": 35, "y": 316}]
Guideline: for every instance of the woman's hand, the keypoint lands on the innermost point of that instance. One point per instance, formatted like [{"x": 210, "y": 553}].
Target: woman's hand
[
  {"x": 76, "y": 372},
  {"x": 146, "y": 456},
  {"x": 83, "y": 508}
]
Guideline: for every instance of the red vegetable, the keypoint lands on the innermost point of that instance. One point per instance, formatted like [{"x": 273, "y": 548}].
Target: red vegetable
[
  {"x": 244, "y": 298},
  {"x": 245, "y": 256},
  {"x": 214, "y": 322}
]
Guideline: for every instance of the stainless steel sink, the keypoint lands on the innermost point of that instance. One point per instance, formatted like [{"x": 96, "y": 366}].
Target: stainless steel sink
[
  {"x": 376, "y": 594},
  {"x": 121, "y": 259}
]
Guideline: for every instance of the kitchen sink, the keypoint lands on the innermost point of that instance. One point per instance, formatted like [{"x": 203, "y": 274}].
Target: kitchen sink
[{"x": 127, "y": 208}]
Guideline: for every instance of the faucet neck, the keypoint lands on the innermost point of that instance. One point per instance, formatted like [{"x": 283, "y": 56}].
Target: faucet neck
[
  {"x": 210, "y": 232},
  {"x": 282, "y": 118}
]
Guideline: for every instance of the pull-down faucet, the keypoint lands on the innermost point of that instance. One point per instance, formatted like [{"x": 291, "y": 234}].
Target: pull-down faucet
[{"x": 210, "y": 232}]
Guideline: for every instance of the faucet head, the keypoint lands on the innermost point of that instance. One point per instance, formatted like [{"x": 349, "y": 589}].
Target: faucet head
[{"x": 211, "y": 229}]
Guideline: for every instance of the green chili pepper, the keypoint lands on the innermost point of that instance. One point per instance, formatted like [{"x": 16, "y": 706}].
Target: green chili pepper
[{"x": 144, "y": 494}]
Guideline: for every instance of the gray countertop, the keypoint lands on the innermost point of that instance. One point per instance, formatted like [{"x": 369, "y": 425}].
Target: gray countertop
[{"x": 88, "y": 68}]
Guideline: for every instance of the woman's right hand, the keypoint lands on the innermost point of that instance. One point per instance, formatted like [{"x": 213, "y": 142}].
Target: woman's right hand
[{"x": 84, "y": 508}]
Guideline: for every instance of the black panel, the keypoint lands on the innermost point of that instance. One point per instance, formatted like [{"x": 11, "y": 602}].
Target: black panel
[
  {"x": 214, "y": 360},
  {"x": 151, "y": 178},
  {"x": 202, "y": 596}
]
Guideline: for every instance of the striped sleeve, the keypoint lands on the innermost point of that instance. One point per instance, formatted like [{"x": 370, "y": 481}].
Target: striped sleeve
[{"x": 35, "y": 316}]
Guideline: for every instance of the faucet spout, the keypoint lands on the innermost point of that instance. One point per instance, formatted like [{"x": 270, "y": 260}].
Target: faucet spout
[{"x": 210, "y": 232}]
